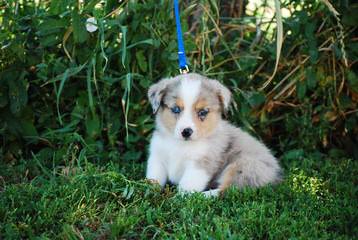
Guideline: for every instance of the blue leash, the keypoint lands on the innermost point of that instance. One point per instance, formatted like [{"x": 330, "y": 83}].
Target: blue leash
[{"x": 183, "y": 67}]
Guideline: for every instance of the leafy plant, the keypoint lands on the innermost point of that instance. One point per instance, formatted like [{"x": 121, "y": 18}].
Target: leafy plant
[{"x": 63, "y": 87}]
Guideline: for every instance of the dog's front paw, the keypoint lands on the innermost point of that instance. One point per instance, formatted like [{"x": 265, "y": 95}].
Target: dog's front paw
[
  {"x": 152, "y": 181},
  {"x": 207, "y": 194},
  {"x": 194, "y": 180},
  {"x": 183, "y": 191},
  {"x": 189, "y": 187},
  {"x": 212, "y": 193}
]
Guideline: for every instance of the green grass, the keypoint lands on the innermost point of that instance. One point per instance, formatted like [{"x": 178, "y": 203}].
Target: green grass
[{"x": 316, "y": 200}]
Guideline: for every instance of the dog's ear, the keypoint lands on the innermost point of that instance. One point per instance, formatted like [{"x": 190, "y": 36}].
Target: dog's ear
[
  {"x": 223, "y": 93},
  {"x": 157, "y": 91}
]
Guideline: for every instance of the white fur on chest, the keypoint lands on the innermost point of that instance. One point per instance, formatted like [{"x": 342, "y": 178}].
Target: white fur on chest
[{"x": 177, "y": 155}]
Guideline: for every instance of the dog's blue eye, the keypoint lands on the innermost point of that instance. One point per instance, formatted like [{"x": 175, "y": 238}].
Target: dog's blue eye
[
  {"x": 202, "y": 113},
  {"x": 176, "y": 109}
]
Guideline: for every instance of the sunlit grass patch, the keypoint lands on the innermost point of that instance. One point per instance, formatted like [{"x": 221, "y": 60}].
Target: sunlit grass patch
[{"x": 312, "y": 185}]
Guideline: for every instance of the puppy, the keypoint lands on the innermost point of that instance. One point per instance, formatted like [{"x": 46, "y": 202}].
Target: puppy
[{"x": 193, "y": 147}]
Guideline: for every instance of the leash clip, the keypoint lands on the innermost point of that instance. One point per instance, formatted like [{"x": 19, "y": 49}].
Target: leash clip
[{"x": 184, "y": 70}]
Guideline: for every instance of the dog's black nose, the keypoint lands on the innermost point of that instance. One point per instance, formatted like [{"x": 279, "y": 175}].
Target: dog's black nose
[{"x": 186, "y": 133}]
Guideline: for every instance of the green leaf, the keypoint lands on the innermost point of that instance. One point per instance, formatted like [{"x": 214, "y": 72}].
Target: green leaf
[
  {"x": 28, "y": 128},
  {"x": 313, "y": 52},
  {"x": 11, "y": 122},
  {"x": 51, "y": 25},
  {"x": 89, "y": 84},
  {"x": 58, "y": 94},
  {"x": 293, "y": 154},
  {"x": 254, "y": 98},
  {"x": 132, "y": 156},
  {"x": 142, "y": 62},
  {"x": 45, "y": 154},
  {"x": 301, "y": 90},
  {"x": 350, "y": 16},
  {"x": 3, "y": 95},
  {"x": 353, "y": 81},
  {"x": 124, "y": 45},
  {"x": 345, "y": 102},
  {"x": 58, "y": 6},
  {"x": 50, "y": 40},
  {"x": 110, "y": 5},
  {"x": 79, "y": 28},
  {"x": 113, "y": 126},
  {"x": 68, "y": 73},
  {"x": 17, "y": 93},
  {"x": 91, "y": 4},
  {"x": 311, "y": 78},
  {"x": 93, "y": 126},
  {"x": 145, "y": 82}
]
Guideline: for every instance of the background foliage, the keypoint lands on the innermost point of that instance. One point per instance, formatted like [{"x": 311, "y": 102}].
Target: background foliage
[
  {"x": 64, "y": 90},
  {"x": 75, "y": 121}
]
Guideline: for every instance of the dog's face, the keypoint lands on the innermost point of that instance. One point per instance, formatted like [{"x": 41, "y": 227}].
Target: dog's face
[{"x": 189, "y": 106}]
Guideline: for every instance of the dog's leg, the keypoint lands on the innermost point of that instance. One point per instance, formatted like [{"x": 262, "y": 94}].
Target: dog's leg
[
  {"x": 156, "y": 170},
  {"x": 226, "y": 179},
  {"x": 228, "y": 176},
  {"x": 194, "y": 179}
]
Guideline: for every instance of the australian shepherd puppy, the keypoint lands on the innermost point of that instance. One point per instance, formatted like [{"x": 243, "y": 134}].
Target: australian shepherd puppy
[{"x": 193, "y": 147}]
